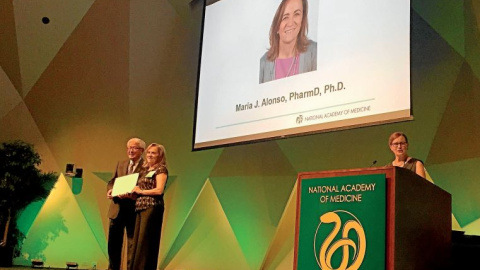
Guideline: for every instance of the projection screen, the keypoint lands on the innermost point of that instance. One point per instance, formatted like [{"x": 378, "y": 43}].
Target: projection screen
[{"x": 271, "y": 68}]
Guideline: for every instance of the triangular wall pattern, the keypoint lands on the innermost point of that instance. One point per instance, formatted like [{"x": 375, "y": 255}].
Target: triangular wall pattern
[
  {"x": 206, "y": 240},
  {"x": 61, "y": 224},
  {"x": 39, "y": 41}
]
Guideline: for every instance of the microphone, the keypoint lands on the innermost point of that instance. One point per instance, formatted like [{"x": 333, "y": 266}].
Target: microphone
[{"x": 373, "y": 163}]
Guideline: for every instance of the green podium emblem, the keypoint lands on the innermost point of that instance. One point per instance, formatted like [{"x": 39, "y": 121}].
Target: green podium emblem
[{"x": 341, "y": 223}]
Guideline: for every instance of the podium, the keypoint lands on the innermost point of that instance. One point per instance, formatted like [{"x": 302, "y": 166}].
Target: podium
[{"x": 372, "y": 218}]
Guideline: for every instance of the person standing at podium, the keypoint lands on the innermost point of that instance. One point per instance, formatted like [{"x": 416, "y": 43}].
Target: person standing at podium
[
  {"x": 398, "y": 143},
  {"x": 122, "y": 208}
]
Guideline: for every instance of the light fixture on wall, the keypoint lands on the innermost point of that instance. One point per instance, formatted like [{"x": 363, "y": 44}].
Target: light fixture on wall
[
  {"x": 78, "y": 173},
  {"x": 69, "y": 170},
  {"x": 72, "y": 265},
  {"x": 37, "y": 263},
  {"x": 75, "y": 177}
]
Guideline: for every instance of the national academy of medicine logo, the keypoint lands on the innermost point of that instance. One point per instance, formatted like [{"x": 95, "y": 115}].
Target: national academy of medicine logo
[
  {"x": 339, "y": 229},
  {"x": 299, "y": 119}
]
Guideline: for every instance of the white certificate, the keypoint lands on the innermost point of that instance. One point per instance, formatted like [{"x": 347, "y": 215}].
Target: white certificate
[{"x": 124, "y": 184}]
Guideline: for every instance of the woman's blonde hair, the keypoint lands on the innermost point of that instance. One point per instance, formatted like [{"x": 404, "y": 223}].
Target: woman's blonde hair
[{"x": 161, "y": 159}]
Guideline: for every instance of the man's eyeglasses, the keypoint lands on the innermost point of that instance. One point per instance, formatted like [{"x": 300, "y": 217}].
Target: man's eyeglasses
[
  {"x": 399, "y": 144},
  {"x": 134, "y": 148}
]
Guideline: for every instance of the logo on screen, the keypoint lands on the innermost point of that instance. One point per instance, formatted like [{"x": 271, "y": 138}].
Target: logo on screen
[
  {"x": 299, "y": 119},
  {"x": 339, "y": 242}
]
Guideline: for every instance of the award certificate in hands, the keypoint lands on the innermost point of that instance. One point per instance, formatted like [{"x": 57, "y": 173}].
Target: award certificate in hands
[{"x": 124, "y": 184}]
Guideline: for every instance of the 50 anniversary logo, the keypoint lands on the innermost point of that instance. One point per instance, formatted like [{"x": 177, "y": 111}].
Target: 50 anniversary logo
[{"x": 327, "y": 241}]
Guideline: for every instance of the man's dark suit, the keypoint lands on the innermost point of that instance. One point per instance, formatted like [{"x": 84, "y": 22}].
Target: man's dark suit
[{"x": 122, "y": 216}]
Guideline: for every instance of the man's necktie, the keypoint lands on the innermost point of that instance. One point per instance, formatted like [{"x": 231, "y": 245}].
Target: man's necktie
[{"x": 130, "y": 168}]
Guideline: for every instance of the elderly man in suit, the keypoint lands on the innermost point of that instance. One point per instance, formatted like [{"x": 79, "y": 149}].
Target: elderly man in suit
[{"x": 122, "y": 208}]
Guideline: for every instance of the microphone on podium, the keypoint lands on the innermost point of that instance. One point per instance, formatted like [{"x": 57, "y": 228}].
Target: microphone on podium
[{"x": 373, "y": 163}]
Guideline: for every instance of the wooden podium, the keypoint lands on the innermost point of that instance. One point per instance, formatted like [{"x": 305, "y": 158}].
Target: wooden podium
[{"x": 396, "y": 221}]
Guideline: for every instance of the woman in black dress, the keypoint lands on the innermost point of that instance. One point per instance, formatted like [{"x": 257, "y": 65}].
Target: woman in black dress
[{"x": 149, "y": 208}]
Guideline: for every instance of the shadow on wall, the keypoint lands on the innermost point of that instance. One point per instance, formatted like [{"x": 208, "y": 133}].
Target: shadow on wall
[{"x": 38, "y": 240}]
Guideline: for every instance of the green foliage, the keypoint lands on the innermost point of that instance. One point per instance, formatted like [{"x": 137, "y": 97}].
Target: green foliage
[{"x": 21, "y": 183}]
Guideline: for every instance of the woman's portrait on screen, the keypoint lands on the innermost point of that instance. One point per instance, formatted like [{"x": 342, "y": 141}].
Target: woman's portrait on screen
[{"x": 291, "y": 52}]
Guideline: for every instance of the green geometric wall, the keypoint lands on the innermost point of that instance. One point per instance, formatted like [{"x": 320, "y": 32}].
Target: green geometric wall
[{"x": 102, "y": 71}]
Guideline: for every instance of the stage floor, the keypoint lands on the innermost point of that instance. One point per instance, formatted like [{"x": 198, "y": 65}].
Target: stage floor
[
  {"x": 27, "y": 268},
  {"x": 30, "y": 268}
]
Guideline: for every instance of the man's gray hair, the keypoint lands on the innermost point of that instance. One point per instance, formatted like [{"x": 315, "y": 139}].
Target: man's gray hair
[{"x": 138, "y": 142}]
